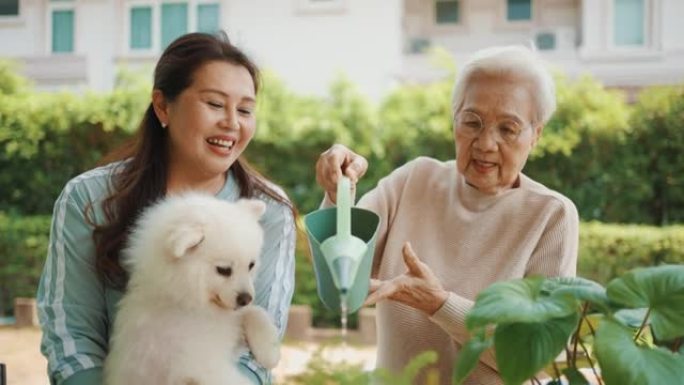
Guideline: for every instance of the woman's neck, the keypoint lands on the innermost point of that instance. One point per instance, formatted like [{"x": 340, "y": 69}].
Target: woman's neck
[{"x": 179, "y": 183}]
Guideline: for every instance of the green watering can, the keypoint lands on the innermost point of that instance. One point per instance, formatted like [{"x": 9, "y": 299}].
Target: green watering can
[{"x": 342, "y": 241}]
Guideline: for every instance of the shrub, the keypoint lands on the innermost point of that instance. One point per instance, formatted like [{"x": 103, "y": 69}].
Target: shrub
[
  {"x": 607, "y": 251},
  {"x": 23, "y": 245}
]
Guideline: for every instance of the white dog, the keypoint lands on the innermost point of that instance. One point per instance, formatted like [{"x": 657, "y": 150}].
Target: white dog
[{"x": 187, "y": 311}]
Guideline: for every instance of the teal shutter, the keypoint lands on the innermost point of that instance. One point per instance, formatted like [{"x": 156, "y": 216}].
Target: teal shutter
[
  {"x": 9, "y": 7},
  {"x": 447, "y": 11},
  {"x": 141, "y": 28},
  {"x": 629, "y": 22},
  {"x": 546, "y": 41},
  {"x": 208, "y": 18},
  {"x": 174, "y": 22},
  {"x": 63, "y": 31},
  {"x": 519, "y": 10}
]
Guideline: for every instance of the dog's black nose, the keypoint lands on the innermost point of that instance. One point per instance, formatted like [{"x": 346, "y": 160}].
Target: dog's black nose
[{"x": 244, "y": 299}]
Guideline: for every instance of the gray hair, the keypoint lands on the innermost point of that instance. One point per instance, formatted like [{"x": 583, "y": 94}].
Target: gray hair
[{"x": 518, "y": 61}]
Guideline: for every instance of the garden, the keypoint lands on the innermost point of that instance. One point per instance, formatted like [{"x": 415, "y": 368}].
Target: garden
[{"x": 622, "y": 164}]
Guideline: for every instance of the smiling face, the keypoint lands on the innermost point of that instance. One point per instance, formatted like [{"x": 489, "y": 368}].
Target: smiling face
[
  {"x": 209, "y": 124},
  {"x": 492, "y": 157}
]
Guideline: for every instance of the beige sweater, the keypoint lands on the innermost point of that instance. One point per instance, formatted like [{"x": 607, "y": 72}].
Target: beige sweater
[{"x": 470, "y": 240}]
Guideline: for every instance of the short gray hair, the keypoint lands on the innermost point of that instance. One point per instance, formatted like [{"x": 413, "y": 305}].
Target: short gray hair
[{"x": 518, "y": 61}]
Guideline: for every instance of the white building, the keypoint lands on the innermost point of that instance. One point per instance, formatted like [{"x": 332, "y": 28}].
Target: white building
[{"x": 376, "y": 43}]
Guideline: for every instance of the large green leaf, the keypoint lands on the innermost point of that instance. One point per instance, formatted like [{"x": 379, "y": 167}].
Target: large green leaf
[
  {"x": 523, "y": 349},
  {"x": 469, "y": 356},
  {"x": 519, "y": 300},
  {"x": 659, "y": 288},
  {"x": 624, "y": 363},
  {"x": 579, "y": 288},
  {"x": 631, "y": 317}
]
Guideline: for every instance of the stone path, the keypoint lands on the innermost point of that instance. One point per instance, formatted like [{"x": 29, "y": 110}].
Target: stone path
[{"x": 20, "y": 351}]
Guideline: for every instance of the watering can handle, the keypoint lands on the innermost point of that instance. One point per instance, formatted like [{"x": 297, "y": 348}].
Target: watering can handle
[{"x": 344, "y": 205}]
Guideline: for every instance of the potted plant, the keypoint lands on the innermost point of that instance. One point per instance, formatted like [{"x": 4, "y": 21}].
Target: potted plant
[{"x": 577, "y": 332}]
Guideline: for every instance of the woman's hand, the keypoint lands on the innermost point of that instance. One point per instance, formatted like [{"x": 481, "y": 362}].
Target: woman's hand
[
  {"x": 418, "y": 287},
  {"x": 338, "y": 160}
]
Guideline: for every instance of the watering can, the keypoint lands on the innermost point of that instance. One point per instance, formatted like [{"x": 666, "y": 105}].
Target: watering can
[{"x": 342, "y": 241}]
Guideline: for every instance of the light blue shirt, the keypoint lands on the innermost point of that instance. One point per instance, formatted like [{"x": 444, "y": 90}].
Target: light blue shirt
[{"x": 76, "y": 310}]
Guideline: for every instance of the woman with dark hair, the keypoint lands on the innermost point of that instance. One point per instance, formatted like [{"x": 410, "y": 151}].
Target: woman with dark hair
[{"x": 192, "y": 136}]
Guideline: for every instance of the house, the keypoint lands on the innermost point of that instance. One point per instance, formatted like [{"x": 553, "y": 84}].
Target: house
[{"x": 376, "y": 43}]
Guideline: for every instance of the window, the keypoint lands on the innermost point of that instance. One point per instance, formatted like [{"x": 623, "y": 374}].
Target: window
[
  {"x": 446, "y": 11},
  {"x": 517, "y": 10},
  {"x": 208, "y": 18},
  {"x": 63, "y": 30},
  {"x": 546, "y": 41},
  {"x": 153, "y": 24},
  {"x": 174, "y": 22},
  {"x": 628, "y": 22},
  {"x": 9, "y": 8},
  {"x": 141, "y": 28}
]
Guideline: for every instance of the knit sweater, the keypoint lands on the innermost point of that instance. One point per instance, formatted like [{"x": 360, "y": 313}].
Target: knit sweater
[{"x": 469, "y": 240}]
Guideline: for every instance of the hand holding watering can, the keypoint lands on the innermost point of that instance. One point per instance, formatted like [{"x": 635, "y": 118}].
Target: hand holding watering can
[
  {"x": 337, "y": 161},
  {"x": 418, "y": 287},
  {"x": 342, "y": 238}
]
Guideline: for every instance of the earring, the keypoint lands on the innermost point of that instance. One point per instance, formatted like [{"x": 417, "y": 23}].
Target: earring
[{"x": 164, "y": 125}]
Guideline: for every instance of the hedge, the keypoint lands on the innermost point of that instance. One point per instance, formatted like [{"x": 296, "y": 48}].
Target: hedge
[
  {"x": 617, "y": 162},
  {"x": 23, "y": 247}
]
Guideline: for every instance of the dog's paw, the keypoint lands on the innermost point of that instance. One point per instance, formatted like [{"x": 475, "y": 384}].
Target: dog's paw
[
  {"x": 267, "y": 357},
  {"x": 261, "y": 336}
]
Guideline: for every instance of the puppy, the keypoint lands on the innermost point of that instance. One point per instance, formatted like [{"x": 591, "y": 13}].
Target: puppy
[{"x": 192, "y": 260}]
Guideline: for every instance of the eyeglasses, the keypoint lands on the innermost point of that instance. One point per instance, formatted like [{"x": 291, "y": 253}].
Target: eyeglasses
[{"x": 470, "y": 124}]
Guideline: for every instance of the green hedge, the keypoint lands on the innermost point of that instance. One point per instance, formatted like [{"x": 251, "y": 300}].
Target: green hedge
[
  {"x": 610, "y": 250},
  {"x": 618, "y": 163},
  {"x": 606, "y": 251},
  {"x": 23, "y": 247}
]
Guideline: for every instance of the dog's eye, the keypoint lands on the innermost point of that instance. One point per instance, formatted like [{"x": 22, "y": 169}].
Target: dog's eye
[
  {"x": 251, "y": 265},
  {"x": 225, "y": 271}
]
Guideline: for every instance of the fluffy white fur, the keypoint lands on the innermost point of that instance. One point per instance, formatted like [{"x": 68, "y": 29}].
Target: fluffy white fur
[{"x": 184, "y": 317}]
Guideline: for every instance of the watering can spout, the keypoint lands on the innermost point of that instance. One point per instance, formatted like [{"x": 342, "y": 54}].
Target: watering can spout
[{"x": 342, "y": 273}]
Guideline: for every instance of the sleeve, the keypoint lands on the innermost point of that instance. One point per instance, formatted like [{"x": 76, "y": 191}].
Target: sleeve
[
  {"x": 71, "y": 304},
  {"x": 556, "y": 252},
  {"x": 384, "y": 200},
  {"x": 451, "y": 318},
  {"x": 275, "y": 281}
]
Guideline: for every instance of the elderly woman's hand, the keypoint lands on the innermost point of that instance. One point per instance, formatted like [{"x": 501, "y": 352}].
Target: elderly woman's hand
[
  {"x": 418, "y": 287},
  {"x": 335, "y": 162}
]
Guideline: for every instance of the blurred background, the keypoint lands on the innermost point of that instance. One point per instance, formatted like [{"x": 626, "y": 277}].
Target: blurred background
[{"x": 376, "y": 75}]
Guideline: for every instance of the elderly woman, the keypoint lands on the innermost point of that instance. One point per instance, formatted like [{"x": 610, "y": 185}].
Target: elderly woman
[{"x": 450, "y": 229}]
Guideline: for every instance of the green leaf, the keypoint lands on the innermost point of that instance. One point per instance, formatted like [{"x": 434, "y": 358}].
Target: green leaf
[
  {"x": 575, "y": 377},
  {"x": 631, "y": 317},
  {"x": 517, "y": 300},
  {"x": 659, "y": 288},
  {"x": 624, "y": 363},
  {"x": 523, "y": 349},
  {"x": 581, "y": 289},
  {"x": 469, "y": 356}
]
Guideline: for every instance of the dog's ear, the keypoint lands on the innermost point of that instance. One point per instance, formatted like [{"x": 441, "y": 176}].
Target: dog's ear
[
  {"x": 184, "y": 238},
  {"x": 256, "y": 206}
]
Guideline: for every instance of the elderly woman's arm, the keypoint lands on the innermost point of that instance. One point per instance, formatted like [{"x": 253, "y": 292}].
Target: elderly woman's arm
[{"x": 556, "y": 252}]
